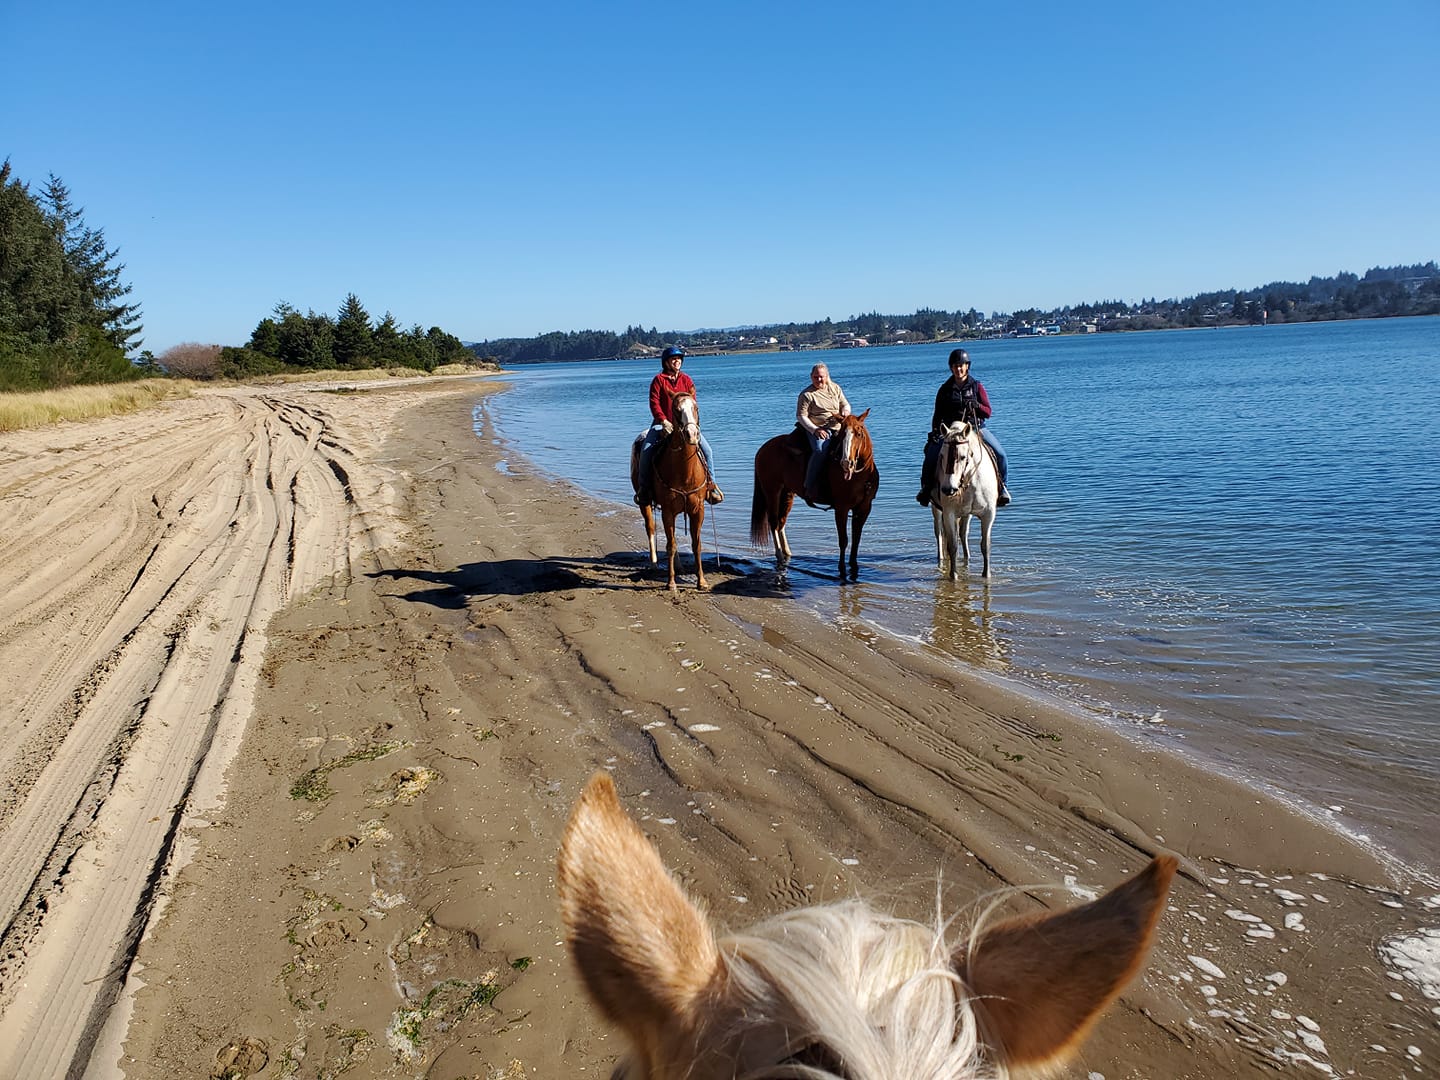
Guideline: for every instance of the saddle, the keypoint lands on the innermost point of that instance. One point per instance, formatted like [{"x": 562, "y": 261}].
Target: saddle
[{"x": 798, "y": 444}]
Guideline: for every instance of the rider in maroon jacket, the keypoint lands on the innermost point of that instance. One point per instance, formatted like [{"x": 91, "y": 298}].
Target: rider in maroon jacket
[
  {"x": 663, "y": 390},
  {"x": 960, "y": 398}
]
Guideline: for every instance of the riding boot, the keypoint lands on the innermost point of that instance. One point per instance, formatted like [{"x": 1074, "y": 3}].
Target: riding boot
[
  {"x": 1003, "y": 499},
  {"x": 923, "y": 497},
  {"x": 643, "y": 498},
  {"x": 713, "y": 494}
]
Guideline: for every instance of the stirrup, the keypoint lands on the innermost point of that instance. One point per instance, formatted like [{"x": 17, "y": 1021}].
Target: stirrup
[{"x": 713, "y": 494}]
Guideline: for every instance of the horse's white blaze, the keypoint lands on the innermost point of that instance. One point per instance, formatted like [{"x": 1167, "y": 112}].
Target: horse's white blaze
[
  {"x": 847, "y": 451},
  {"x": 689, "y": 419}
]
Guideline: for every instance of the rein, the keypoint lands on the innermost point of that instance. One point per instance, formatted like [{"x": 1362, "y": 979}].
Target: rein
[
  {"x": 655, "y": 470},
  {"x": 972, "y": 470},
  {"x": 864, "y": 458}
]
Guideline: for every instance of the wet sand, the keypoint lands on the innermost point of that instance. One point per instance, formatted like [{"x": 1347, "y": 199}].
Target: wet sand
[{"x": 448, "y": 649}]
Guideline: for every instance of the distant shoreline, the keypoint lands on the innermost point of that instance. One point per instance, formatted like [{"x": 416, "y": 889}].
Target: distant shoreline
[{"x": 963, "y": 341}]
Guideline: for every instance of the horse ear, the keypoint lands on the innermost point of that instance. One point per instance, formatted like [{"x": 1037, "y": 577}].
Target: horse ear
[
  {"x": 862, "y": 416},
  {"x": 643, "y": 949},
  {"x": 1041, "y": 982}
]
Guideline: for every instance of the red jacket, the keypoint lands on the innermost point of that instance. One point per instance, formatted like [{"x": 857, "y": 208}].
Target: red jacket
[{"x": 662, "y": 394}]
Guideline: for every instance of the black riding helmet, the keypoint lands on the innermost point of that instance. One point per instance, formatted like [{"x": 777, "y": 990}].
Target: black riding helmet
[{"x": 959, "y": 356}]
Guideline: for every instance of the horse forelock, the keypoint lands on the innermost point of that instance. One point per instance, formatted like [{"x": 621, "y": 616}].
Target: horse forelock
[{"x": 847, "y": 992}]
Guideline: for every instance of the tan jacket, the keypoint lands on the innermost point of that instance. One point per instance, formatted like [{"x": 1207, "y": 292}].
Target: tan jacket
[{"x": 816, "y": 408}]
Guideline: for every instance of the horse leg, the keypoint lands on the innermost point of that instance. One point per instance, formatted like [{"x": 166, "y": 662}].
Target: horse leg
[
  {"x": 964, "y": 530},
  {"x": 779, "y": 510},
  {"x": 939, "y": 538},
  {"x": 952, "y": 543},
  {"x": 861, "y": 515},
  {"x": 668, "y": 516},
  {"x": 987, "y": 518},
  {"x": 841, "y": 532},
  {"x": 697, "y": 519},
  {"x": 648, "y": 514}
]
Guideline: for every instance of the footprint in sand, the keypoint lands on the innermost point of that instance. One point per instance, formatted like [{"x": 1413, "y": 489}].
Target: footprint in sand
[
  {"x": 405, "y": 786},
  {"x": 239, "y": 1058},
  {"x": 336, "y": 932}
]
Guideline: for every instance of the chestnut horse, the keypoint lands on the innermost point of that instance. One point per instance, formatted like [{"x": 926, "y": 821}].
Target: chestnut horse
[
  {"x": 677, "y": 485},
  {"x": 838, "y": 991},
  {"x": 849, "y": 480}
]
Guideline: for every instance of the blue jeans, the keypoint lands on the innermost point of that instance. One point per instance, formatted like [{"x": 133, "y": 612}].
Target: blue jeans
[
  {"x": 650, "y": 439},
  {"x": 817, "y": 456},
  {"x": 932, "y": 453}
]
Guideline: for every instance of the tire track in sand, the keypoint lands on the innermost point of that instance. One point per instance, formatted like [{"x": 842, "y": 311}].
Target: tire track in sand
[{"x": 151, "y": 552}]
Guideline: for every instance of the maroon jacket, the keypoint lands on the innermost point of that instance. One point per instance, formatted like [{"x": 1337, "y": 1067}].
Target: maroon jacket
[
  {"x": 960, "y": 401},
  {"x": 662, "y": 394}
]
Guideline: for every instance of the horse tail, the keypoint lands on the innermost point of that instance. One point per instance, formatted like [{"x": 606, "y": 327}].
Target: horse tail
[{"x": 759, "y": 516}]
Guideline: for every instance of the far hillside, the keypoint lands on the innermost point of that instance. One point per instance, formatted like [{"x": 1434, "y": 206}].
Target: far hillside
[{"x": 1382, "y": 292}]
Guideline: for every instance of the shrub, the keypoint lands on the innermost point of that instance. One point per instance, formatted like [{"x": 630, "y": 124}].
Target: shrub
[{"x": 191, "y": 360}]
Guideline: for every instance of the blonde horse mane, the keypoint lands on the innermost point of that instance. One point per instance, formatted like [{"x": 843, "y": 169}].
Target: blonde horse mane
[
  {"x": 858, "y": 991},
  {"x": 837, "y": 992}
]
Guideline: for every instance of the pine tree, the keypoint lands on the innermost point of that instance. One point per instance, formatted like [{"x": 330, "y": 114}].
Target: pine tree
[
  {"x": 354, "y": 340},
  {"x": 389, "y": 349},
  {"x": 95, "y": 270},
  {"x": 39, "y": 302}
]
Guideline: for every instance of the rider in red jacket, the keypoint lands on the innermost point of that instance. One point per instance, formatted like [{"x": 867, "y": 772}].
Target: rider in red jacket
[{"x": 663, "y": 390}]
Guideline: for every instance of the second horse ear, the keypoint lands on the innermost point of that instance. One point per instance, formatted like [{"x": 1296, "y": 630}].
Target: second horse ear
[
  {"x": 1040, "y": 982},
  {"x": 862, "y": 416}
]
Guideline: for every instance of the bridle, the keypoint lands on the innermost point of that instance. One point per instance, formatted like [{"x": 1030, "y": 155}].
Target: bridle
[
  {"x": 950, "y": 446},
  {"x": 691, "y": 430},
  {"x": 860, "y": 453}
]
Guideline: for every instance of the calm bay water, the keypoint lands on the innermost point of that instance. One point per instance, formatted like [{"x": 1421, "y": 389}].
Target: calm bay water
[{"x": 1222, "y": 539}]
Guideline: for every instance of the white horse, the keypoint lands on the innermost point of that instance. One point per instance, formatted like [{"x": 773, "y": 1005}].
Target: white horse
[
  {"x": 965, "y": 483},
  {"x": 838, "y": 992}
]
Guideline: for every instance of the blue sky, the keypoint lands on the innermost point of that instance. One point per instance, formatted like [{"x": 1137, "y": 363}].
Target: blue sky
[{"x": 508, "y": 169}]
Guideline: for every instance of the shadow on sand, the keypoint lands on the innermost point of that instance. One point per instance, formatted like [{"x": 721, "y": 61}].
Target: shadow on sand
[{"x": 621, "y": 570}]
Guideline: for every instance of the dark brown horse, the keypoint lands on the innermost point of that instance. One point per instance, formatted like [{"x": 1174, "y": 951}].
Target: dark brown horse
[
  {"x": 848, "y": 482},
  {"x": 677, "y": 485}
]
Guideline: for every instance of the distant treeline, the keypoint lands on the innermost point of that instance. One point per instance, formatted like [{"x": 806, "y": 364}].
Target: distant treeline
[
  {"x": 64, "y": 319},
  {"x": 1380, "y": 292},
  {"x": 290, "y": 342}
]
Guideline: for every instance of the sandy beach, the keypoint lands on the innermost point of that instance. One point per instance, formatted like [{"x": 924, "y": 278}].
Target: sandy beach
[{"x": 297, "y": 687}]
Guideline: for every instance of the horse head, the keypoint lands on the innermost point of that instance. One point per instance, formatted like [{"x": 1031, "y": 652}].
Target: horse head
[
  {"x": 960, "y": 455},
  {"x": 789, "y": 997},
  {"x": 856, "y": 450},
  {"x": 687, "y": 418}
]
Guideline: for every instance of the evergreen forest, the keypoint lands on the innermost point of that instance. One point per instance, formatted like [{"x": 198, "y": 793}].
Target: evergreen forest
[
  {"x": 287, "y": 341},
  {"x": 65, "y": 316}
]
